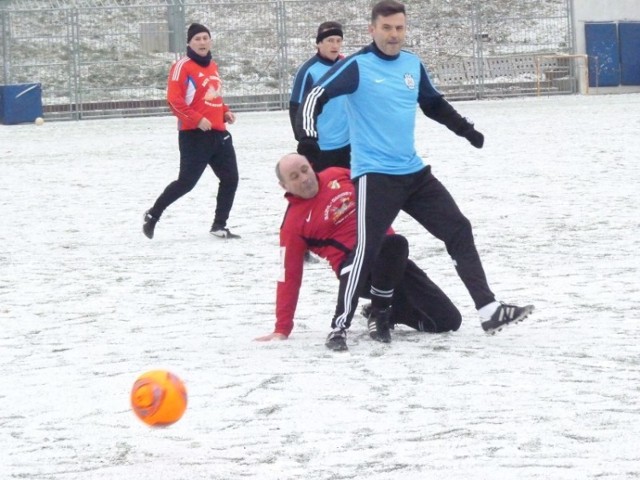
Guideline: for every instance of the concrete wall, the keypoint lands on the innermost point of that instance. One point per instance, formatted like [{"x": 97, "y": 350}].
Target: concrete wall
[{"x": 602, "y": 11}]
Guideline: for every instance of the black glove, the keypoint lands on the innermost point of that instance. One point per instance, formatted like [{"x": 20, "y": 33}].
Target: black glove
[
  {"x": 310, "y": 149},
  {"x": 475, "y": 137}
]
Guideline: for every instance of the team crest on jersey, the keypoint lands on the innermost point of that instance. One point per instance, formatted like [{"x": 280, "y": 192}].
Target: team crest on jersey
[
  {"x": 212, "y": 93},
  {"x": 340, "y": 207},
  {"x": 333, "y": 185},
  {"x": 409, "y": 81}
]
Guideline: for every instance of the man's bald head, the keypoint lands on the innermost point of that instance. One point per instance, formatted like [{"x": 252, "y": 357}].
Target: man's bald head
[{"x": 296, "y": 176}]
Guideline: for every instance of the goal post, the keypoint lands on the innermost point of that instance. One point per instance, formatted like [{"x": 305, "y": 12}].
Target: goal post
[{"x": 560, "y": 67}]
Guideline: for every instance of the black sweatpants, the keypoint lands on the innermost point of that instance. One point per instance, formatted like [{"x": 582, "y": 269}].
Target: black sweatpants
[
  {"x": 421, "y": 304},
  {"x": 416, "y": 301},
  {"x": 380, "y": 198},
  {"x": 197, "y": 150}
]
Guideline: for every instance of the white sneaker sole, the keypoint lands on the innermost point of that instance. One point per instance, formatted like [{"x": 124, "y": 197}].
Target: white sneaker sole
[{"x": 526, "y": 312}]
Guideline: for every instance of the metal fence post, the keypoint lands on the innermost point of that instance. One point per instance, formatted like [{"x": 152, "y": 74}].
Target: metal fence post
[
  {"x": 281, "y": 26},
  {"x": 476, "y": 31},
  {"x": 176, "y": 21},
  {"x": 75, "y": 82},
  {"x": 6, "y": 52}
]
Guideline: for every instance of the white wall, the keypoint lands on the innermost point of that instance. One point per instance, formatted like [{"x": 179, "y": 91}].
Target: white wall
[{"x": 602, "y": 11}]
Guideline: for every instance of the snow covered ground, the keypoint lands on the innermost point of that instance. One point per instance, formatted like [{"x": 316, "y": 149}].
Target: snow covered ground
[{"x": 87, "y": 303}]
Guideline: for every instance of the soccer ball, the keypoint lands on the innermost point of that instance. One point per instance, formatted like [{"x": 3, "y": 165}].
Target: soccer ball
[{"x": 158, "y": 398}]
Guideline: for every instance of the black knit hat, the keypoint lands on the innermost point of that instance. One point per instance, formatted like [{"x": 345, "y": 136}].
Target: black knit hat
[
  {"x": 194, "y": 29},
  {"x": 329, "y": 29}
]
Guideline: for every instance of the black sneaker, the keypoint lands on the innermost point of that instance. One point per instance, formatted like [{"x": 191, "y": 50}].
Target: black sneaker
[
  {"x": 379, "y": 324},
  {"x": 337, "y": 341},
  {"x": 505, "y": 315},
  {"x": 149, "y": 224},
  {"x": 222, "y": 232},
  {"x": 365, "y": 311}
]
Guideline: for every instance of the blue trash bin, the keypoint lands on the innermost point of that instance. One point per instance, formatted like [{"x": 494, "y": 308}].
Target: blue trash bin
[{"x": 20, "y": 103}]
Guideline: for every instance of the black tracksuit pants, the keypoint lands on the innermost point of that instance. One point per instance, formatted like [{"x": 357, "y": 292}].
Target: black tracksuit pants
[
  {"x": 197, "y": 150},
  {"x": 416, "y": 301},
  {"x": 380, "y": 198}
]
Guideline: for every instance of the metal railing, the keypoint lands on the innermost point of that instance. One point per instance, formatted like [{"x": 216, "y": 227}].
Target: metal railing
[{"x": 111, "y": 57}]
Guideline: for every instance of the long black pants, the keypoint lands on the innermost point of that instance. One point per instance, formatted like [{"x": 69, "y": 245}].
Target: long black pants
[
  {"x": 379, "y": 200},
  {"x": 197, "y": 150},
  {"x": 416, "y": 300}
]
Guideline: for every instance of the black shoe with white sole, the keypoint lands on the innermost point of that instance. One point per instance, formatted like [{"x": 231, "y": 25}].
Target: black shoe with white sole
[
  {"x": 222, "y": 232},
  {"x": 379, "y": 324},
  {"x": 506, "y": 315},
  {"x": 149, "y": 225},
  {"x": 337, "y": 341}
]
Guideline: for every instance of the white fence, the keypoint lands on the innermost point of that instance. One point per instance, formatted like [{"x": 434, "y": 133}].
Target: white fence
[{"x": 111, "y": 57}]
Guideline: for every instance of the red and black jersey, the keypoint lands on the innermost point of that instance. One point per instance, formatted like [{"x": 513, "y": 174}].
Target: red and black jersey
[
  {"x": 194, "y": 92},
  {"x": 326, "y": 225}
]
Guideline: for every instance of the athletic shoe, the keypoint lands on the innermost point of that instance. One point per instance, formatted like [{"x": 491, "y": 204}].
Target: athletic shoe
[
  {"x": 379, "y": 324},
  {"x": 222, "y": 232},
  {"x": 365, "y": 311},
  {"x": 337, "y": 340},
  {"x": 149, "y": 224},
  {"x": 505, "y": 315}
]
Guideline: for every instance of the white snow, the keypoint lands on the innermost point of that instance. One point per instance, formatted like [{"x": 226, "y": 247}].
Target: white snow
[{"x": 87, "y": 303}]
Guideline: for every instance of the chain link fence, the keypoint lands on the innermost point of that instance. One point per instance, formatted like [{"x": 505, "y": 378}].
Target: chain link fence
[{"x": 111, "y": 57}]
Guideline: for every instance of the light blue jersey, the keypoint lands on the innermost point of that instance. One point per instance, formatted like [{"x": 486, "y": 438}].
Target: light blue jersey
[
  {"x": 333, "y": 122},
  {"x": 382, "y": 93}
]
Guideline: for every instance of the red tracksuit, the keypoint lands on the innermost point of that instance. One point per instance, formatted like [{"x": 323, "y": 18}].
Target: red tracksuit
[
  {"x": 326, "y": 225},
  {"x": 193, "y": 92}
]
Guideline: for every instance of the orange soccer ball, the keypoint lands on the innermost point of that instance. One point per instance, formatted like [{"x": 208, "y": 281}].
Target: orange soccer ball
[{"x": 159, "y": 398}]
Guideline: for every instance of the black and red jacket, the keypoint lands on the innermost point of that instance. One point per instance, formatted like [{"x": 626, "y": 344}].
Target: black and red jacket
[
  {"x": 324, "y": 224},
  {"x": 195, "y": 91}
]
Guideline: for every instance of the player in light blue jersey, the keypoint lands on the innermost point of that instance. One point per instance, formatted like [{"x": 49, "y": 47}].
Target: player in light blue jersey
[
  {"x": 334, "y": 138},
  {"x": 382, "y": 85}
]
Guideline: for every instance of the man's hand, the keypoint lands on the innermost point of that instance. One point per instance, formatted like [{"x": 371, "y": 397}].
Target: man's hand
[
  {"x": 310, "y": 149},
  {"x": 470, "y": 133},
  {"x": 229, "y": 117},
  {"x": 204, "y": 124},
  {"x": 475, "y": 137},
  {"x": 271, "y": 336}
]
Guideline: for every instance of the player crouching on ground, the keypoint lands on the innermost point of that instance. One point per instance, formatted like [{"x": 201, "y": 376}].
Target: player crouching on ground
[{"x": 321, "y": 217}]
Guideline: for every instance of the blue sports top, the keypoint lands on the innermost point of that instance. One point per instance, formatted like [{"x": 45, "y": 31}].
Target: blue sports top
[
  {"x": 381, "y": 93},
  {"x": 332, "y": 124}
]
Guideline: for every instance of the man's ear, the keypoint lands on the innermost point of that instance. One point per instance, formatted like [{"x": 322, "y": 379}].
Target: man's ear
[{"x": 282, "y": 185}]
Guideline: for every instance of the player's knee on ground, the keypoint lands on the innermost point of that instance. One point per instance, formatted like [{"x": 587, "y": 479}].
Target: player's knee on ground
[
  {"x": 395, "y": 247},
  {"x": 452, "y": 322}
]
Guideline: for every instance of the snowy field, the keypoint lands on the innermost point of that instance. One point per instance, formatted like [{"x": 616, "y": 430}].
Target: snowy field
[{"x": 87, "y": 303}]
